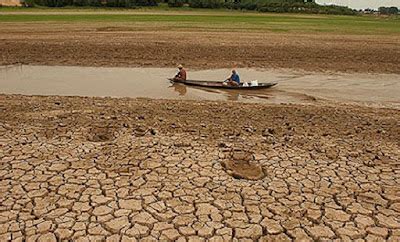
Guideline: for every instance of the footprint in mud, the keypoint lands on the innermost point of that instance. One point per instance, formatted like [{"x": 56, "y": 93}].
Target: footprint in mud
[
  {"x": 102, "y": 134},
  {"x": 240, "y": 166}
]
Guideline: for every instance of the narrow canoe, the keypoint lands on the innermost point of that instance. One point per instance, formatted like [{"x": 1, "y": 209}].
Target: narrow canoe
[{"x": 216, "y": 84}]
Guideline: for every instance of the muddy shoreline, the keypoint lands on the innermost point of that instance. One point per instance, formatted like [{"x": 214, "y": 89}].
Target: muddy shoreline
[{"x": 124, "y": 46}]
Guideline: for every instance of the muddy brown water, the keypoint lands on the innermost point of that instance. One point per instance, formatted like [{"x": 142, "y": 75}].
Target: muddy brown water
[{"x": 293, "y": 86}]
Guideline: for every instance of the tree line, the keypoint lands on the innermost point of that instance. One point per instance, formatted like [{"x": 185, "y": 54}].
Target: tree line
[
  {"x": 277, "y": 6},
  {"x": 92, "y": 3},
  {"x": 388, "y": 10}
]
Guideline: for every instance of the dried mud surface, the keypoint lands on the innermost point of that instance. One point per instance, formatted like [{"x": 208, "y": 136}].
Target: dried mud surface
[
  {"x": 106, "y": 169},
  {"x": 125, "y": 45}
]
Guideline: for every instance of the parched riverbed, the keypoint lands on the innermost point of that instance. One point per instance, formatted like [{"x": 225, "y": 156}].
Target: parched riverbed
[{"x": 106, "y": 169}]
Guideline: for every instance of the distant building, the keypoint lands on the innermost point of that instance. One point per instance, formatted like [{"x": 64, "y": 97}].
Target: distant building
[
  {"x": 369, "y": 11},
  {"x": 10, "y": 2}
]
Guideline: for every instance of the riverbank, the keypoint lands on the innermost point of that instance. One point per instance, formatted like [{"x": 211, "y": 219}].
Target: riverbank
[{"x": 201, "y": 40}]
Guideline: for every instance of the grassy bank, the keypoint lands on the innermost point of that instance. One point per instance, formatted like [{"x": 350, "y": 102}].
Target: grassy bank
[{"x": 212, "y": 19}]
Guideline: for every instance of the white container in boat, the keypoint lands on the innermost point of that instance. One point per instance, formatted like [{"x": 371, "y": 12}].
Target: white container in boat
[
  {"x": 245, "y": 84},
  {"x": 254, "y": 83}
]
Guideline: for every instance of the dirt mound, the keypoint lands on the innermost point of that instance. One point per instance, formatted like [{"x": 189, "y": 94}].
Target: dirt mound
[
  {"x": 101, "y": 134},
  {"x": 240, "y": 166}
]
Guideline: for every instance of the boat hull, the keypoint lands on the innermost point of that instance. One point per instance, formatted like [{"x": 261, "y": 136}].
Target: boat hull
[{"x": 219, "y": 85}]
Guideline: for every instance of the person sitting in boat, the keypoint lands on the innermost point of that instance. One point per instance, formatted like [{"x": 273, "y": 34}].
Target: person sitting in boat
[
  {"x": 233, "y": 79},
  {"x": 181, "y": 75}
]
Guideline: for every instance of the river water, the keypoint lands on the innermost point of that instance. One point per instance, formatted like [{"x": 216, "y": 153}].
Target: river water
[{"x": 381, "y": 90}]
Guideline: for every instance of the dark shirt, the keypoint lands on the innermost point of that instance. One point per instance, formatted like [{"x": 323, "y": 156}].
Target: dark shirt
[{"x": 235, "y": 77}]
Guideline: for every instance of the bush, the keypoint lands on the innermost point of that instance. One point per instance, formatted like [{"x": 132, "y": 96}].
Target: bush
[
  {"x": 79, "y": 3},
  {"x": 249, "y": 6},
  {"x": 49, "y": 3},
  {"x": 388, "y": 11},
  {"x": 206, "y": 3},
  {"x": 301, "y": 7},
  {"x": 277, "y": 6},
  {"x": 144, "y": 3},
  {"x": 231, "y": 5},
  {"x": 94, "y": 3},
  {"x": 176, "y": 3},
  {"x": 29, "y": 3},
  {"x": 195, "y": 3}
]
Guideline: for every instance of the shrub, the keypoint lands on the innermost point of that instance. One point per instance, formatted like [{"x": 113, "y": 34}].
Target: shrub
[
  {"x": 293, "y": 6},
  {"x": 388, "y": 11},
  {"x": 249, "y": 6},
  {"x": 206, "y": 3},
  {"x": 94, "y": 3},
  {"x": 79, "y": 3},
  {"x": 176, "y": 3},
  {"x": 29, "y": 3},
  {"x": 195, "y": 3}
]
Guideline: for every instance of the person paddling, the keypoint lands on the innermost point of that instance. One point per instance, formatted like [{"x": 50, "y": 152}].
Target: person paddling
[
  {"x": 181, "y": 75},
  {"x": 233, "y": 79}
]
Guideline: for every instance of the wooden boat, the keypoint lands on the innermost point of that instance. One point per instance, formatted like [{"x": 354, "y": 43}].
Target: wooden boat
[{"x": 220, "y": 85}]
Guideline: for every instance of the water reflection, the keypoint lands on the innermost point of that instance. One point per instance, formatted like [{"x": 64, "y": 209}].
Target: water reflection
[
  {"x": 233, "y": 96},
  {"x": 179, "y": 88},
  {"x": 182, "y": 90}
]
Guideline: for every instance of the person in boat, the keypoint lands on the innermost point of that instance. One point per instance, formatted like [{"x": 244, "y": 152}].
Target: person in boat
[
  {"x": 233, "y": 79},
  {"x": 181, "y": 75}
]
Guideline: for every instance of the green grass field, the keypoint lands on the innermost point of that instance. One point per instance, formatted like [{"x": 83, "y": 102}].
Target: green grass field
[{"x": 211, "y": 20}]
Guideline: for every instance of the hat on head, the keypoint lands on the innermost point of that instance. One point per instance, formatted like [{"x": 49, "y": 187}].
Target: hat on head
[{"x": 180, "y": 66}]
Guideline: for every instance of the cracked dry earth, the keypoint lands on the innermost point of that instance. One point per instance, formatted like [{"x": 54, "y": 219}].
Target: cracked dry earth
[{"x": 101, "y": 169}]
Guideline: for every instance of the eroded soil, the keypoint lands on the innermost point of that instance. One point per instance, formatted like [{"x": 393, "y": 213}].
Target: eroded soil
[
  {"x": 111, "y": 169},
  {"x": 120, "y": 44}
]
